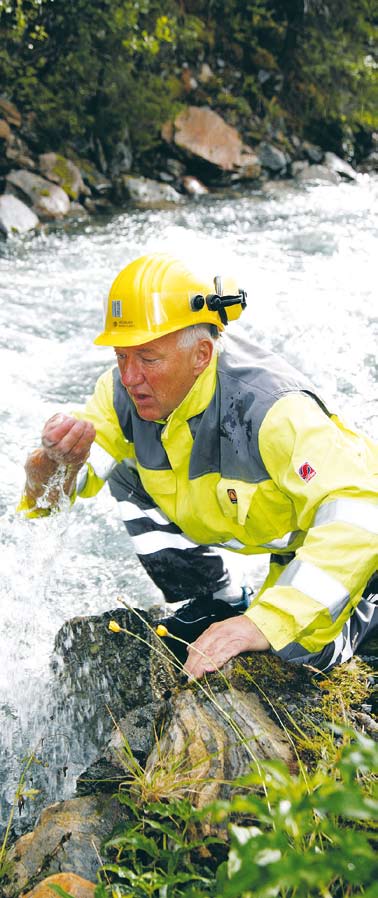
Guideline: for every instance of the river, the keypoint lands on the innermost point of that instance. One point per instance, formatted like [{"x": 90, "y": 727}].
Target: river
[{"x": 307, "y": 257}]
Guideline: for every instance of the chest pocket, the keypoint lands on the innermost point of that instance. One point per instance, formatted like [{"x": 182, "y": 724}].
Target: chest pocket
[{"x": 258, "y": 513}]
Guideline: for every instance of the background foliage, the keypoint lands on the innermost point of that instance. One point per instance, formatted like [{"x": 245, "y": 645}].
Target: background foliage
[{"x": 90, "y": 69}]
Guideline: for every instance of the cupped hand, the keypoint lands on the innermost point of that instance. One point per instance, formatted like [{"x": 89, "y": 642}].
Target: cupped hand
[
  {"x": 222, "y": 641},
  {"x": 67, "y": 440}
]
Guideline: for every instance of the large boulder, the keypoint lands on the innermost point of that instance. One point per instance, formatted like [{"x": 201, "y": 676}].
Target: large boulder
[
  {"x": 64, "y": 172},
  {"x": 98, "y": 670},
  {"x": 47, "y": 200},
  {"x": 15, "y": 216},
  {"x": 67, "y": 839},
  {"x": 216, "y": 737},
  {"x": 201, "y": 133}
]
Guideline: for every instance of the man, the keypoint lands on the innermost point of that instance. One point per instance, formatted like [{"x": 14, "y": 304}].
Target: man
[{"x": 205, "y": 448}]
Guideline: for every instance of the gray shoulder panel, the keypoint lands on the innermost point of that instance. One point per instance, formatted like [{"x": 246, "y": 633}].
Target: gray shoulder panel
[{"x": 249, "y": 382}]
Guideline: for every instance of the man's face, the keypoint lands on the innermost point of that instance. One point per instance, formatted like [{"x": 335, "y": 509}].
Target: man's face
[{"x": 158, "y": 375}]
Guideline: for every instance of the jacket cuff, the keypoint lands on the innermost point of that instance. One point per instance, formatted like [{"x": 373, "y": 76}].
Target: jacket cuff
[{"x": 278, "y": 630}]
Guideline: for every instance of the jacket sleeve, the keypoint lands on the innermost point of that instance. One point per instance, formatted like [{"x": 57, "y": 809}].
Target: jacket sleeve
[
  {"x": 330, "y": 475},
  {"x": 110, "y": 446}
]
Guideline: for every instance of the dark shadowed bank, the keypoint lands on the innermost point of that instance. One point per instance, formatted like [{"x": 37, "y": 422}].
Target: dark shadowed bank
[{"x": 114, "y": 102}]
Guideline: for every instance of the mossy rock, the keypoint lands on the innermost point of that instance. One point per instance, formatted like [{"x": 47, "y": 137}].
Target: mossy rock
[{"x": 64, "y": 172}]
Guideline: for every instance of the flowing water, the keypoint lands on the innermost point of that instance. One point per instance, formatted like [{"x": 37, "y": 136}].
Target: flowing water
[{"x": 307, "y": 257}]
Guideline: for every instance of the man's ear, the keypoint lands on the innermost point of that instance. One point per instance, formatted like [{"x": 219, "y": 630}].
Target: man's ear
[{"x": 203, "y": 353}]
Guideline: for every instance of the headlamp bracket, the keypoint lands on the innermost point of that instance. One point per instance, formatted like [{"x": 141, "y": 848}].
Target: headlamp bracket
[{"x": 217, "y": 303}]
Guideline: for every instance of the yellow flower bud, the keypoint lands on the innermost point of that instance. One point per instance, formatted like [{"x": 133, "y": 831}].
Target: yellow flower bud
[
  {"x": 114, "y": 627},
  {"x": 161, "y": 630}
]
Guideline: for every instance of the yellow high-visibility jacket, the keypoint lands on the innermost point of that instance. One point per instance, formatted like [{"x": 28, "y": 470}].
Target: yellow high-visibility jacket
[{"x": 253, "y": 461}]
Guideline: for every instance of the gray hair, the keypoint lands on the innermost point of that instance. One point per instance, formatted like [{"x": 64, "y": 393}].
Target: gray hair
[{"x": 188, "y": 336}]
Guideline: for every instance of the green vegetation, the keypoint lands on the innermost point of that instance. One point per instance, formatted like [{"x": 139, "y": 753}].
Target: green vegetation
[
  {"x": 87, "y": 70},
  {"x": 22, "y": 792},
  {"x": 279, "y": 835}
]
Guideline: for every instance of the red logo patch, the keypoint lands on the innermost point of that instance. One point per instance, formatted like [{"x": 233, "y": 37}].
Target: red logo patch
[{"x": 306, "y": 471}]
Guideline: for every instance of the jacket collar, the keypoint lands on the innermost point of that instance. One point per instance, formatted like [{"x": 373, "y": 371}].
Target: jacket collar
[{"x": 199, "y": 396}]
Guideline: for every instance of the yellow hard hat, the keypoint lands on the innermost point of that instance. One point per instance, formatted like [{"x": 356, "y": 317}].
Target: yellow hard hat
[{"x": 158, "y": 294}]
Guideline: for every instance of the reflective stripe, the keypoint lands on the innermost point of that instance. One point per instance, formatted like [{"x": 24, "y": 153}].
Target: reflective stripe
[
  {"x": 101, "y": 460},
  {"x": 317, "y": 584},
  {"x": 232, "y": 544},
  {"x": 130, "y": 512},
  {"x": 81, "y": 479},
  {"x": 349, "y": 511},
  {"x": 283, "y": 542},
  {"x": 343, "y": 649},
  {"x": 156, "y": 541}
]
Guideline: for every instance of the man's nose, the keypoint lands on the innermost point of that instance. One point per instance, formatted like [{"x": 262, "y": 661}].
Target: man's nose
[{"x": 131, "y": 372}]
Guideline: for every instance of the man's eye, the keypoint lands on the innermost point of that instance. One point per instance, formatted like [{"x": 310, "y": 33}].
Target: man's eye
[{"x": 149, "y": 359}]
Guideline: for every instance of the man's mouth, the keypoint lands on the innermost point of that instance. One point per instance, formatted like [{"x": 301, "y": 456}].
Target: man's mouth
[{"x": 139, "y": 397}]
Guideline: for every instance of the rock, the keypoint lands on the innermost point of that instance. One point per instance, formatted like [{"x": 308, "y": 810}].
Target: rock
[
  {"x": 205, "y": 74},
  {"x": 76, "y": 886},
  {"x": 175, "y": 167},
  {"x": 93, "y": 178},
  {"x": 200, "y": 132},
  {"x": 146, "y": 192},
  {"x": 271, "y": 157},
  {"x": 122, "y": 156},
  {"x": 312, "y": 152},
  {"x": 318, "y": 173},
  {"x": 15, "y": 216},
  {"x": 97, "y": 205},
  {"x": 122, "y": 160},
  {"x": 67, "y": 839},
  {"x": 17, "y": 153},
  {"x": 78, "y": 211},
  {"x": 371, "y": 162},
  {"x": 48, "y": 200},
  {"x": 189, "y": 82},
  {"x": 193, "y": 186},
  {"x": 99, "y": 155},
  {"x": 249, "y": 168},
  {"x": 10, "y": 113},
  {"x": 335, "y": 164},
  {"x": 5, "y": 131},
  {"x": 97, "y": 670},
  {"x": 165, "y": 177},
  {"x": 216, "y": 738},
  {"x": 62, "y": 171},
  {"x": 298, "y": 167}
]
